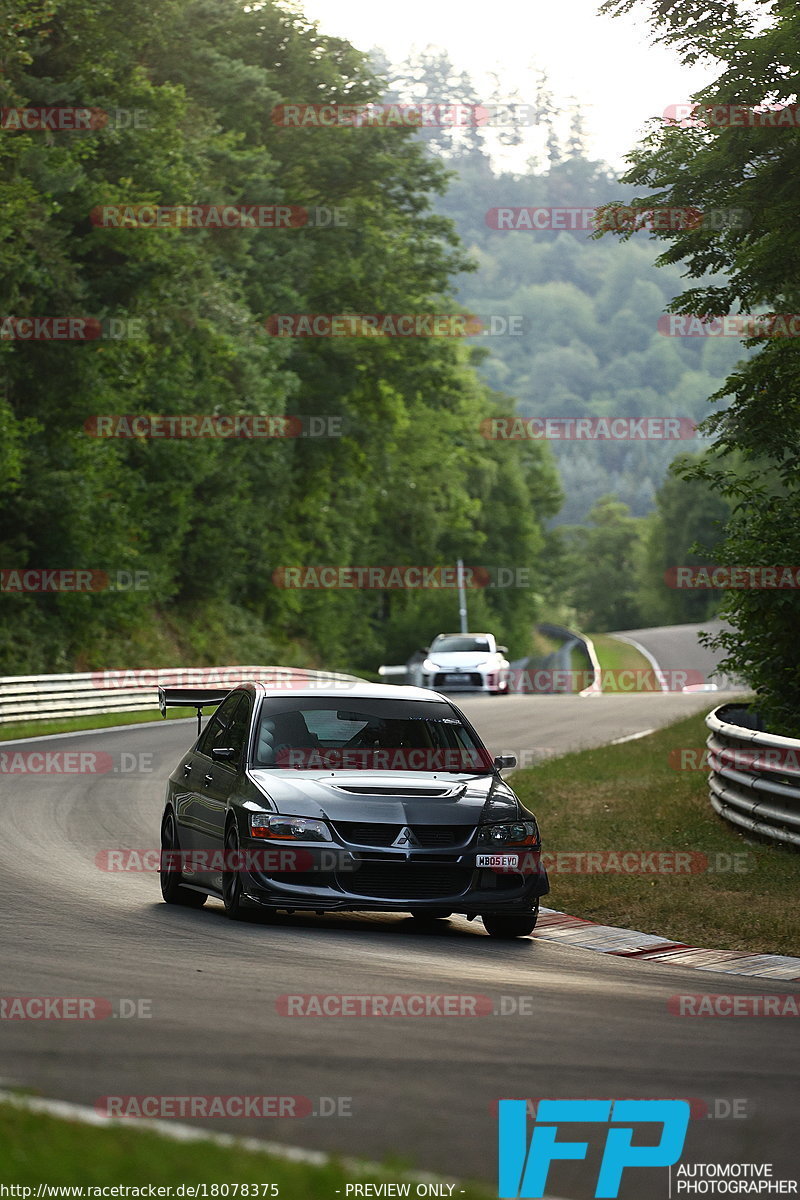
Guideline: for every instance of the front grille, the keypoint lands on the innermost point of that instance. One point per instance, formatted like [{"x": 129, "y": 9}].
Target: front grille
[
  {"x": 377, "y": 834},
  {"x": 363, "y": 834},
  {"x": 407, "y": 881},
  {"x": 448, "y": 679}
]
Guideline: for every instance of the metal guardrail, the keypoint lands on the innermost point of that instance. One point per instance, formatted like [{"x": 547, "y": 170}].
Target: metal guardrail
[
  {"x": 36, "y": 697},
  {"x": 754, "y": 779},
  {"x": 570, "y": 638}
]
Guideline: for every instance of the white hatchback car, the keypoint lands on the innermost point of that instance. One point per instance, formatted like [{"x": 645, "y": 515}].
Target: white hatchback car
[{"x": 467, "y": 662}]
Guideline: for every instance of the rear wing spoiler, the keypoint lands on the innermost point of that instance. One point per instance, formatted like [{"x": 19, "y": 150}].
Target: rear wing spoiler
[{"x": 198, "y": 698}]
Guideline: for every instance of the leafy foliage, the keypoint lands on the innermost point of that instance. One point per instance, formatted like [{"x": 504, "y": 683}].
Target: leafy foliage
[
  {"x": 409, "y": 481},
  {"x": 757, "y": 436}
]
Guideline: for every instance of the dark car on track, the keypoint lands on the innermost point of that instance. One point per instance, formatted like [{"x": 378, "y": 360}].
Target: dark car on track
[{"x": 347, "y": 797}]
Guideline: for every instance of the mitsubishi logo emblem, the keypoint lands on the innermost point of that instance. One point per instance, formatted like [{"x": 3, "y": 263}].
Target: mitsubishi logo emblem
[{"x": 405, "y": 838}]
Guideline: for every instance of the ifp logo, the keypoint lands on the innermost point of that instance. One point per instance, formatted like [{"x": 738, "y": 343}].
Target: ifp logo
[{"x": 523, "y": 1170}]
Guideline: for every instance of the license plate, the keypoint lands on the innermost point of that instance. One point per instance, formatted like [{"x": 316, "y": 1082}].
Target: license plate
[
  {"x": 454, "y": 678},
  {"x": 498, "y": 860}
]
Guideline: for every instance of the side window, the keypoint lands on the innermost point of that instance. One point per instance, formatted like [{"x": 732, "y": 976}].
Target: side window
[
  {"x": 216, "y": 726},
  {"x": 236, "y": 733}
]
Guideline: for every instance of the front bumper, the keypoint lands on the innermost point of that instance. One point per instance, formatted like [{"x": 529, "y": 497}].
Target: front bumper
[
  {"x": 464, "y": 681},
  {"x": 340, "y": 878}
]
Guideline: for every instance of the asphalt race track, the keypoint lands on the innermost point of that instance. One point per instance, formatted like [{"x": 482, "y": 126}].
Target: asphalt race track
[
  {"x": 676, "y": 647},
  {"x": 594, "y": 1026}
]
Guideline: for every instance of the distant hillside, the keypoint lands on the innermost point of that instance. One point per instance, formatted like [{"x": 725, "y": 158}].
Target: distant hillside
[{"x": 590, "y": 309}]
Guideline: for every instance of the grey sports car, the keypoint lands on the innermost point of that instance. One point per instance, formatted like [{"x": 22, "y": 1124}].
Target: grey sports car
[{"x": 356, "y": 796}]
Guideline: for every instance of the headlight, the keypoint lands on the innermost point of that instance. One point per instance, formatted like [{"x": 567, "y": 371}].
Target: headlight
[
  {"x": 288, "y": 829},
  {"x": 517, "y": 833},
  {"x": 429, "y": 666}
]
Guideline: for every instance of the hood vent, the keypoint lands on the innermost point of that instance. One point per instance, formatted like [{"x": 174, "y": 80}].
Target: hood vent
[{"x": 395, "y": 792}]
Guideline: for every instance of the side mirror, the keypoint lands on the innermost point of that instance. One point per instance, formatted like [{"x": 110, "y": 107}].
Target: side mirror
[
  {"x": 502, "y": 649},
  {"x": 504, "y": 762},
  {"x": 423, "y": 650},
  {"x": 223, "y": 754}
]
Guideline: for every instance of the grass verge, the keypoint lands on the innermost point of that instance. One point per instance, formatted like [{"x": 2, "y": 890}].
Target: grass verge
[
  {"x": 618, "y": 656},
  {"x": 23, "y": 729},
  {"x": 612, "y": 656},
  {"x": 37, "y": 1148},
  {"x": 629, "y": 798}
]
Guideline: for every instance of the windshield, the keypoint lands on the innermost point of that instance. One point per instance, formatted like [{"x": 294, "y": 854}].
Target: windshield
[
  {"x": 316, "y": 734},
  {"x": 454, "y": 644}
]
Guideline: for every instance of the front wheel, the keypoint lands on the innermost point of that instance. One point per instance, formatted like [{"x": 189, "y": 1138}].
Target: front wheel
[
  {"x": 172, "y": 889},
  {"x": 501, "y": 925},
  {"x": 232, "y": 898}
]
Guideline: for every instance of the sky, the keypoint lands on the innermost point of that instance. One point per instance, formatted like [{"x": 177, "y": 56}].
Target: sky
[{"x": 607, "y": 64}]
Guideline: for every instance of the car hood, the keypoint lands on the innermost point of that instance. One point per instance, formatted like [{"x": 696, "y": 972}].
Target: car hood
[
  {"x": 396, "y": 797},
  {"x": 462, "y": 660}
]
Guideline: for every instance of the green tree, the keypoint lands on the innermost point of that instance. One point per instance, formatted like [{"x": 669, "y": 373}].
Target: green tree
[
  {"x": 753, "y": 169},
  {"x": 685, "y": 530},
  {"x": 409, "y": 480},
  {"x": 600, "y": 564}
]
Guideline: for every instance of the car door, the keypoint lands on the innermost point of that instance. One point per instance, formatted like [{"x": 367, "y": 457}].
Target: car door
[
  {"x": 219, "y": 781},
  {"x": 191, "y": 805}
]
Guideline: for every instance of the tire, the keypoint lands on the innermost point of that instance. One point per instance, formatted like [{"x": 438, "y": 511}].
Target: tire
[
  {"x": 500, "y": 925},
  {"x": 432, "y": 914},
  {"x": 172, "y": 889},
  {"x": 232, "y": 898}
]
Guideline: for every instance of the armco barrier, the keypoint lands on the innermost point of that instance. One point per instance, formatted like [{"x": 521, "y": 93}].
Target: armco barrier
[
  {"x": 32, "y": 697},
  {"x": 754, "y": 779},
  {"x": 570, "y": 638}
]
